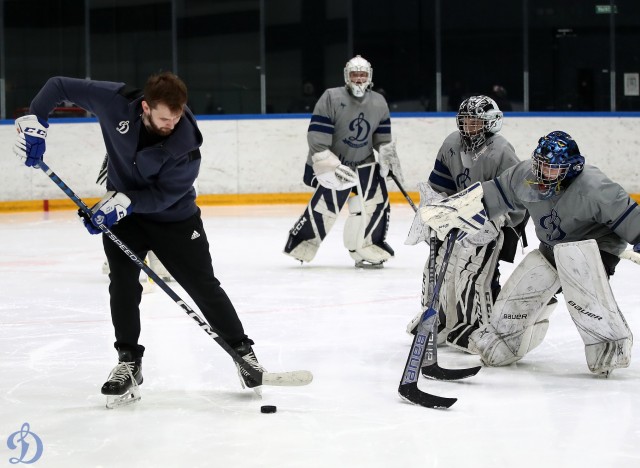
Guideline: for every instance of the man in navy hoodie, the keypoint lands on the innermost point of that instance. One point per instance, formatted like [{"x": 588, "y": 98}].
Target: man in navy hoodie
[{"x": 152, "y": 140}]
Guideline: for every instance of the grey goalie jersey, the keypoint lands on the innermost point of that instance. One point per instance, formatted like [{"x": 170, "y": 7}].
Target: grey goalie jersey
[
  {"x": 350, "y": 127},
  {"x": 449, "y": 174},
  {"x": 591, "y": 207}
]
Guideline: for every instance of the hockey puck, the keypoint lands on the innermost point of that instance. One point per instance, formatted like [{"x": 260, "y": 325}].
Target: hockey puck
[{"x": 268, "y": 409}]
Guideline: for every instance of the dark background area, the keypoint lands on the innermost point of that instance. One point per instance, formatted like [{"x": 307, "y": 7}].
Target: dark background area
[{"x": 277, "y": 56}]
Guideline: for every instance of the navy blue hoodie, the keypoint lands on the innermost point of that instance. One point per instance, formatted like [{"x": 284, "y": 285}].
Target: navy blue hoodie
[{"x": 158, "y": 179}]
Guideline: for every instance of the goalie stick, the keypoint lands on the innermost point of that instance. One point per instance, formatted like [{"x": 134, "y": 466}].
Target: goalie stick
[
  {"x": 408, "y": 388},
  {"x": 430, "y": 367},
  {"x": 293, "y": 378}
]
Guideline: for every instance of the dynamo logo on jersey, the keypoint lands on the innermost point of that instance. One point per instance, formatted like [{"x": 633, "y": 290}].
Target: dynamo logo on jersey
[
  {"x": 463, "y": 179},
  {"x": 361, "y": 128},
  {"x": 551, "y": 224}
]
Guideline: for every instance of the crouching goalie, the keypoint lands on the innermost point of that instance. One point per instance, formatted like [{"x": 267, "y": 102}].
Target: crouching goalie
[{"x": 584, "y": 221}]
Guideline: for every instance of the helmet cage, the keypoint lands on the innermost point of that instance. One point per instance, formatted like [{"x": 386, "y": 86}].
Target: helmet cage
[
  {"x": 478, "y": 117},
  {"x": 358, "y": 64},
  {"x": 555, "y": 159}
]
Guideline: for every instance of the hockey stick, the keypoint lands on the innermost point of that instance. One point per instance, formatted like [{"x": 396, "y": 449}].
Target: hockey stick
[
  {"x": 408, "y": 388},
  {"x": 430, "y": 367},
  {"x": 293, "y": 378}
]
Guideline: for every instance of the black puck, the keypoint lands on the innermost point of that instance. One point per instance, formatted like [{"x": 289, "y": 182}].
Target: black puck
[{"x": 268, "y": 409}]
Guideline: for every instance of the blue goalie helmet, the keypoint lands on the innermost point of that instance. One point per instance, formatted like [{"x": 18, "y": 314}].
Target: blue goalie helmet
[{"x": 556, "y": 161}]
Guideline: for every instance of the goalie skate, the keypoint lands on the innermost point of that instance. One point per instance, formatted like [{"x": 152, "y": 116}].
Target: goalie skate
[{"x": 365, "y": 265}]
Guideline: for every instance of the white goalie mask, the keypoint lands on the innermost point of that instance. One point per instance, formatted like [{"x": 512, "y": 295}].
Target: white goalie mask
[{"x": 358, "y": 74}]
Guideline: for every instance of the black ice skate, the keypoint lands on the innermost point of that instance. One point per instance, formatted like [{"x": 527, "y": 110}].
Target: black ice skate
[
  {"x": 244, "y": 349},
  {"x": 121, "y": 388}
]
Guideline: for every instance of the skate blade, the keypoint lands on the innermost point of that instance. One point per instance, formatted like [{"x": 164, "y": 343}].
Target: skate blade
[
  {"x": 118, "y": 401},
  {"x": 369, "y": 266},
  {"x": 258, "y": 390}
]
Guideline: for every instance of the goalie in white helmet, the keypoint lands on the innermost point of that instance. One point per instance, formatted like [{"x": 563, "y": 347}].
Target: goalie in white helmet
[
  {"x": 474, "y": 153},
  {"x": 584, "y": 221},
  {"x": 349, "y": 125}
]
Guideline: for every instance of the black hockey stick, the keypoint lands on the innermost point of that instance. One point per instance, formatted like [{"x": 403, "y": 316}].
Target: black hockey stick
[
  {"x": 430, "y": 367},
  {"x": 294, "y": 378},
  {"x": 408, "y": 388}
]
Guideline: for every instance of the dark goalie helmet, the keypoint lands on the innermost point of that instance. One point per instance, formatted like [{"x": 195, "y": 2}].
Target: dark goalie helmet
[
  {"x": 477, "y": 119},
  {"x": 556, "y": 161}
]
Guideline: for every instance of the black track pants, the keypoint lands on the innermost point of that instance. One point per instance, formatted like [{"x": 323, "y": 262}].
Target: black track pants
[{"x": 184, "y": 250}]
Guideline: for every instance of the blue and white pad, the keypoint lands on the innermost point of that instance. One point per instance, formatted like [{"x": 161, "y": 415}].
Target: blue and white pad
[
  {"x": 604, "y": 331},
  {"x": 315, "y": 223},
  {"x": 472, "y": 303},
  {"x": 463, "y": 210},
  {"x": 365, "y": 230}
]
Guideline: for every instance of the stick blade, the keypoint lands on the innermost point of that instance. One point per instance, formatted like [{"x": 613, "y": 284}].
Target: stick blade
[
  {"x": 287, "y": 379},
  {"x": 435, "y": 372},
  {"x": 411, "y": 393}
]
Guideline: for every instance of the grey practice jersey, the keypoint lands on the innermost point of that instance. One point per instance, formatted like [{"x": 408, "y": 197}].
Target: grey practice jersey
[
  {"x": 348, "y": 126},
  {"x": 591, "y": 207},
  {"x": 450, "y": 175}
]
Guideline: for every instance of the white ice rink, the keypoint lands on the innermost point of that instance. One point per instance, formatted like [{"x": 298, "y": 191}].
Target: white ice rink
[{"x": 345, "y": 325}]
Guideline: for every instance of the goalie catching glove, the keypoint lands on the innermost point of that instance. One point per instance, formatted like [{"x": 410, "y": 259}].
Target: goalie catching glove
[
  {"x": 112, "y": 208},
  {"x": 330, "y": 173},
  {"x": 463, "y": 210},
  {"x": 389, "y": 161}
]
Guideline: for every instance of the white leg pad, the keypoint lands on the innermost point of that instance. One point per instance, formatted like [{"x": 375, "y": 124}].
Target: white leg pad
[
  {"x": 159, "y": 269},
  {"x": 447, "y": 314},
  {"x": 366, "y": 213},
  {"x": 522, "y": 303},
  {"x": 539, "y": 329},
  {"x": 473, "y": 273},
  {"x": 446, "y": 309},
  {"x": 603, "y": 328},
  {"x": 317, "y": 220}
]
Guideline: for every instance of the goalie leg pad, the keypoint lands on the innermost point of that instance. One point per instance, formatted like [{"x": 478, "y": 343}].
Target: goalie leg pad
[
  {"x": 366, "y": 227},
  {"x": 474, "y": 270},
  {"x": 315, "y": 223},
  {"x": 157, "y": 266},
  {"x": 593, "y": 309},
  {"x": 513, "y": 329},
  {"x": 446, "y": 314}
]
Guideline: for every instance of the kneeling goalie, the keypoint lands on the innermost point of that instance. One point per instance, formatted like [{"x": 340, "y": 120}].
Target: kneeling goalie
[{"x": 584, "y": 221}]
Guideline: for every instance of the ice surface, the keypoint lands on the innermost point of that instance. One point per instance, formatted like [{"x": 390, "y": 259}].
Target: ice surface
[{"x": 345, "y": 325}]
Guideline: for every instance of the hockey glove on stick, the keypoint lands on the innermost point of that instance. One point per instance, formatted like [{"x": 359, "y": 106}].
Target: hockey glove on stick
[
  {"x": 30, "y": 142},
  {"x": 112, "y": 208}
]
